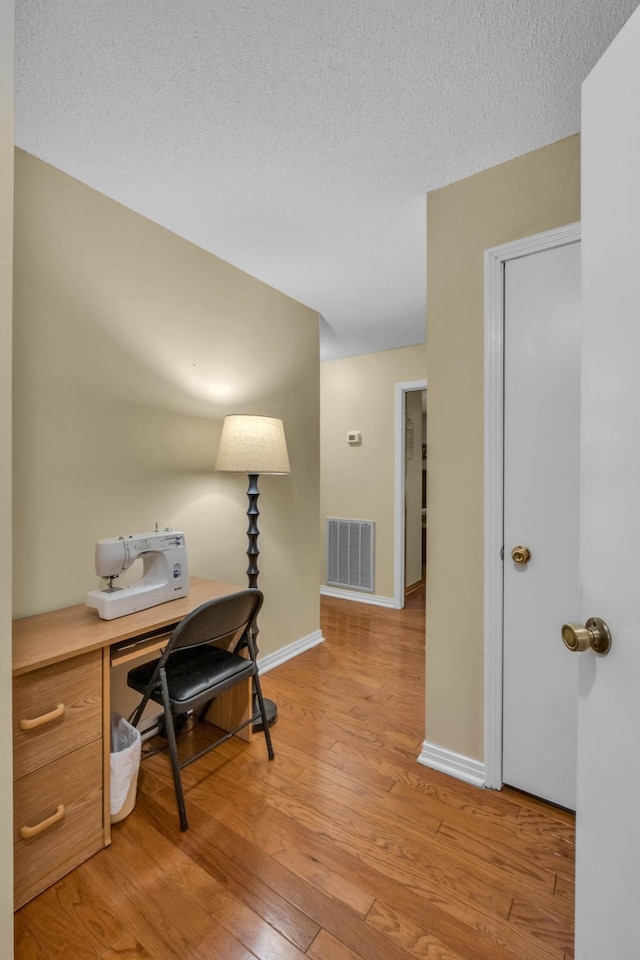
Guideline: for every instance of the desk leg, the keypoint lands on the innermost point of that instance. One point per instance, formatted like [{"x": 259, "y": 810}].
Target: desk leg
[
  {"x": 230, "y": 709},
  {"x": 106, "y": 743}
]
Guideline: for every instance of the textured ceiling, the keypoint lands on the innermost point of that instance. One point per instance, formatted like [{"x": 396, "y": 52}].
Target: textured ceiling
[{"x": 297, "y": 138}]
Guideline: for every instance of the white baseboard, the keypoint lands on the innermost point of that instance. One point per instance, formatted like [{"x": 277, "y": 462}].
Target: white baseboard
[
  {"x": 452, "y": 763},
  {"x": 289, "y": 652},
  {"x": 359, "y": 597}
]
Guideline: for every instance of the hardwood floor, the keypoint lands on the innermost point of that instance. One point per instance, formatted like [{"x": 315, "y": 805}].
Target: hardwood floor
[{"x": 342, "y": 848}]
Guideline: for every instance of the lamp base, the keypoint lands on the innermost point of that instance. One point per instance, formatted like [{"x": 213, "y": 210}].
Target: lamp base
[{"x": 271, "y": 710}]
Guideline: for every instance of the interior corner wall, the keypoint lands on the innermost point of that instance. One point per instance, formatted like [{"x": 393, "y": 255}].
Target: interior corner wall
[
  {"x": 357, "y": 482},
  {"x": 535, "y": 192},
  {"x": 6, "y": 257},
  {"x": 130, "y": 347}
]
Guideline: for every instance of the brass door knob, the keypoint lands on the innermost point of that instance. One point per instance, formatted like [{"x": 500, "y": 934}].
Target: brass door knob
[
  {"x": 594, "y": 634},
  {"x": 521, "y": 554}
]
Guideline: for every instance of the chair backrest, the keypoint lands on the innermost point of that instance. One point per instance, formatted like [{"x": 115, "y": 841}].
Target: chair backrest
[{"x": 226, "y": 618}]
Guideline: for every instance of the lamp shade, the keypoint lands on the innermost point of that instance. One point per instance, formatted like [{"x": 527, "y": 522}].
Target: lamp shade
[{"x": 251, "y": 444}]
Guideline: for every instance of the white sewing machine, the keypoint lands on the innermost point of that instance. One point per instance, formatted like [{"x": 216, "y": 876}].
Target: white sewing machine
[{"x": 165, "y": 574}]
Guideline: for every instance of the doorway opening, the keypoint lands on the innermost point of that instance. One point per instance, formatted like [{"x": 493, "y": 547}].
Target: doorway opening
[{"x": 410, "y": 492}]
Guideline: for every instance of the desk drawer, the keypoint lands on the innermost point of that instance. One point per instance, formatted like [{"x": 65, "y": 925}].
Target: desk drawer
[
  {"x": 56, "y": 710},
  {"x": 69, "y": 793}
]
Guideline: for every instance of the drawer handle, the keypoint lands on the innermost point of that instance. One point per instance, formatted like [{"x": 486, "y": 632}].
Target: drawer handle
[
  {"x": 27, "y": 832},
  {"x": 45, "y": 718}
]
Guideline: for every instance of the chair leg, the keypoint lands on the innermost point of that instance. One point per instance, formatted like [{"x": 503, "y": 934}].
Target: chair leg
[
  {"x": 263, "y": 714},
  {"x": 135, "y": 719},
  {"x": 173, "y": 753}
]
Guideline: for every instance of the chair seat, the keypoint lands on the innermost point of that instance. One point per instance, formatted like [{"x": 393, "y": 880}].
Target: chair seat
[
  {"x": 191, "y": 674},
  {"x": 200, "y": 661}
]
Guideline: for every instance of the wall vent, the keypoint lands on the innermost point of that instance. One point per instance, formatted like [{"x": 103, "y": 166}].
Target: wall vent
[{"x": 350, "y": 553}]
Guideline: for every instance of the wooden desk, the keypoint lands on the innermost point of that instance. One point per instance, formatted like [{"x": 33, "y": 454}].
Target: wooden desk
[{"x": 61, "y": 727}]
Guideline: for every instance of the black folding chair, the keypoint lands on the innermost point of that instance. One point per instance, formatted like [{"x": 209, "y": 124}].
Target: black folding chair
[{"x": 192, "y": 672}]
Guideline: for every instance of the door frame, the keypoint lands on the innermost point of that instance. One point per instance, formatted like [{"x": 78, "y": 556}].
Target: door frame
[
  {"x": 495, "y": 259},
  {"x": 402, "y": 389}
]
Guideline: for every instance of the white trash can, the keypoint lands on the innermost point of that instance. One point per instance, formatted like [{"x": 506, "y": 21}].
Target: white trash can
[{"x": 126, "y": 744}]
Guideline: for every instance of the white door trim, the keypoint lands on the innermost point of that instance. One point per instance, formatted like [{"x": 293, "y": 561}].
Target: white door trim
[
  {"x": 398, "y": 521},
  {"x": 494, "y": 261}
]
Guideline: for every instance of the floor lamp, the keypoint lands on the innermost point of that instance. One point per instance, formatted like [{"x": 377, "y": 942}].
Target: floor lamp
[{"x": 253, "y": 445}]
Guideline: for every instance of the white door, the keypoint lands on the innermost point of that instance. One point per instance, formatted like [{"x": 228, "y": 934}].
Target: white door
[
  {"x": 608, "y": 818},
  {"x": 541, "y": 515}
]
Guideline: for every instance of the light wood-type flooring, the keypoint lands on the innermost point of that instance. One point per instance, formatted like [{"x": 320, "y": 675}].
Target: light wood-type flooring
[{"x": 342, "y": 848}]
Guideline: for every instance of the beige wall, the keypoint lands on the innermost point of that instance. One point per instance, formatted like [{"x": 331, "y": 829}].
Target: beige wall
[
  {"x": 130, "y": 347},
  {"x": 6, "y": 244},
  {"x": 536, "y": 192},
  {"x": 357, "y": 482}
]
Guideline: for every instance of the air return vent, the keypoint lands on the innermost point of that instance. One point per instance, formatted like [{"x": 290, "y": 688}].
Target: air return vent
[{"x": 350, "y": 553}]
